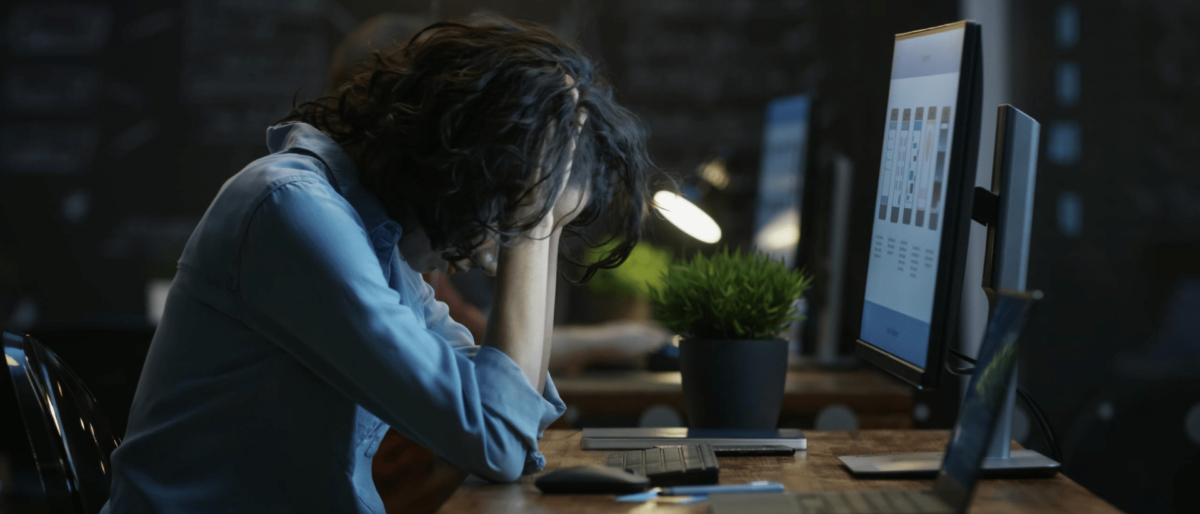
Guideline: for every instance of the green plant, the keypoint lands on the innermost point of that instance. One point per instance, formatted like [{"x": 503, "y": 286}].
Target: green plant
[
  {"x": 642, "y": 270},
  {"x": 729, "y": 296}
]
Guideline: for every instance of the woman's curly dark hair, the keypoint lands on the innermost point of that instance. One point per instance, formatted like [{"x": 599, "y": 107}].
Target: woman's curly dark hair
[{"x": 457, "y": 123}]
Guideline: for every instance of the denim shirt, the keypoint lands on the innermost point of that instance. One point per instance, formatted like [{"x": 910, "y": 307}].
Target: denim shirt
[{"x": 294, "y": 334}]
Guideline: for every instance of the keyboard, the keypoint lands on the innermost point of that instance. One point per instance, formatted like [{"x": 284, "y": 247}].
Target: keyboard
[
  {"x": 688, "y": 464},
  {"x": 880, "y": 501}
]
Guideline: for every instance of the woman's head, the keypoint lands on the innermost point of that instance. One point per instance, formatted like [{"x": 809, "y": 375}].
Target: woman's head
[{"x": 468, "y": 129}]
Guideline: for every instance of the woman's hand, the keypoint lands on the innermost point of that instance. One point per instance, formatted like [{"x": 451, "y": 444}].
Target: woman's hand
[
  {"x": 484, "y": 257},
  {"x": 570, "y": 203},
  {"x": 572, "y": 199},
  {"x": 523, "y": 315}
]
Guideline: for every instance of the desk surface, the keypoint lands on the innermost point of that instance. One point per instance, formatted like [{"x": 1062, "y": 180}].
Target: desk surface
[{"x": 815, "y": 470}]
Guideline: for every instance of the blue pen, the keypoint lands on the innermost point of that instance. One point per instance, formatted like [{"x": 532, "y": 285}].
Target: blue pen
[
  {"x": 752, "y": 487},
  {"x": 701, "y": 492}
]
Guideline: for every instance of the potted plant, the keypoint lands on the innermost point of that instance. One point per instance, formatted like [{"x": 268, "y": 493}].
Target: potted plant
[{"x": 729, "y": 310}]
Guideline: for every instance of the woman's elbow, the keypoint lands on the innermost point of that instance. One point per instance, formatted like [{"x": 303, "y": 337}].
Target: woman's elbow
[
  {"x": 492, "y": 455},
  {"x": 502, "y": 465}
]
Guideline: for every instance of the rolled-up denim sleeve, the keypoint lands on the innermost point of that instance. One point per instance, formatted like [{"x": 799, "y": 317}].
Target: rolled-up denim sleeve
[
  {"x": 552, "y": 405},
  {"x": 311, "y": 282}
]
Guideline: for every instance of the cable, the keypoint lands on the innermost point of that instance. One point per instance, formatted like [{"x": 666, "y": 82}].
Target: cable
[
  {"x": 1031, "y": 405},
  {"x": 1047, "y": 429},
  {"x": 960, "y": 372},
  {"x": 1033, "y": 408}
]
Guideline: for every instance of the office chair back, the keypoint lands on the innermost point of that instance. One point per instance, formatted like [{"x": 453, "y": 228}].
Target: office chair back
[{"x": 68, "y": 438}]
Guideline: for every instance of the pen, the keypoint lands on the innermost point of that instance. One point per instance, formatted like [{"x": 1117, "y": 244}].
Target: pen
[{"x": 752, "y": 487}]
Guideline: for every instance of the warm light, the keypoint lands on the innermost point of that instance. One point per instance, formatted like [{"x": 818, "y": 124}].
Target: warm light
[
  {"x": 685, "y": 215},
  {"x": 12, "y": 363},
  {"x": 780, "y": 234},
  {"x": 714, "y": 172}
]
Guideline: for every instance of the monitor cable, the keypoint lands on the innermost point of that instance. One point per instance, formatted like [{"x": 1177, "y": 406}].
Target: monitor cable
[{"x": 1031, "y": 405}]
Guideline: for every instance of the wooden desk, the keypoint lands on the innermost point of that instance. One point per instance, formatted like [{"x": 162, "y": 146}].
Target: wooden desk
[
  {"x": 815, "y": 470},
  {"x": 878, "y": 400}
]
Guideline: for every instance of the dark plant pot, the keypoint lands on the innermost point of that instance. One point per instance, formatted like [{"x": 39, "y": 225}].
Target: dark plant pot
[{"x": 733, "y": 383}]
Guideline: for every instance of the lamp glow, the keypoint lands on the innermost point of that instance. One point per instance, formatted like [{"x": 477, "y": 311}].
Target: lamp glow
[
  {"x": 780, "y": 235},
  {"x": 714, "y": 172},
  {"x": 687, "y": 216}
]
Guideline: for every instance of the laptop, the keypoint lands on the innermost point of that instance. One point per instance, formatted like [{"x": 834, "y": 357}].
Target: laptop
[{"x": 956, "y": 480}]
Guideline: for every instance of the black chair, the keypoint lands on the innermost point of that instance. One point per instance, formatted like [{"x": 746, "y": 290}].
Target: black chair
[{"x": 56, "y": 442}]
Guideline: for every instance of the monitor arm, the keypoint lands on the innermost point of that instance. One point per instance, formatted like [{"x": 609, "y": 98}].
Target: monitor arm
[{"x": 1007, "y": 212}]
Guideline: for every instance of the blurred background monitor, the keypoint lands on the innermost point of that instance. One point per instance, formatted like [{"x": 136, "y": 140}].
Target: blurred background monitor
[
  {"x": 781, "y": 177},
  {"x": 781, "y": 183}
]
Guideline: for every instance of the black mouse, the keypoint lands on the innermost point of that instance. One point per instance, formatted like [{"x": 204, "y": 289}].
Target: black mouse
[{"x": 591, "y": 479}]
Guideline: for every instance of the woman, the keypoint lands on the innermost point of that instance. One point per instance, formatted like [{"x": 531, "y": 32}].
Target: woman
[{"x": 298, "y": 327}]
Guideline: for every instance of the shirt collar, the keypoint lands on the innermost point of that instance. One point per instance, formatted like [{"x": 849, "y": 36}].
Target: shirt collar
[{"x": 297, "y": 137}]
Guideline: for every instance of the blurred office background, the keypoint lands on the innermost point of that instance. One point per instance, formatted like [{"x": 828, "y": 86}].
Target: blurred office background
[{"x": 119, "y": 121}]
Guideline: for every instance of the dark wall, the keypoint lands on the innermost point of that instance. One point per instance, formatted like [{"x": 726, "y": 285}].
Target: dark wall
[
  {"x": 123, "y": 118},
  {"x": 1114, "y": 349}
]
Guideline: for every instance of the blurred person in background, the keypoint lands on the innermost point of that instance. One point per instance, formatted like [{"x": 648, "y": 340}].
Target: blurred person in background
[{"x": 298, "y": 328}]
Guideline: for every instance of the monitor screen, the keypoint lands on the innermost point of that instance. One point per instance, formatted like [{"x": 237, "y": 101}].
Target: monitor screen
[{"x": 918, "y": 128}]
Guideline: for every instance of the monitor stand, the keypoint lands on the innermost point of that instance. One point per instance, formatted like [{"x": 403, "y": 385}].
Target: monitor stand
[
  {"x": 1001, "y": 460},
  {"x": 1007, "y": 211}
]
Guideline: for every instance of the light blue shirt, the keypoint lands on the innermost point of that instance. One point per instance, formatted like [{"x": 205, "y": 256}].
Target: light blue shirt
[{"x": 294, "y": 334}]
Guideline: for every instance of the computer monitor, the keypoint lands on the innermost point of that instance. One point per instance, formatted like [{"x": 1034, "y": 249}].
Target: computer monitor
[{"x": 924, "y": 202}]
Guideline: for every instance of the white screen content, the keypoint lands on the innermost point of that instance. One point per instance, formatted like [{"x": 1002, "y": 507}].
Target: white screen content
[{"x": 911, "y": 195}]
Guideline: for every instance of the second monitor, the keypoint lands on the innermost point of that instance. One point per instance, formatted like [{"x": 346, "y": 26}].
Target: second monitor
[
  {"x": 919, "y": 238},
  {"x": 926, "y": 201}
]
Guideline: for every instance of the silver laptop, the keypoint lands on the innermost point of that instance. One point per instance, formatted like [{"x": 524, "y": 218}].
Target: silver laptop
[{"x": 956, "y": 480}]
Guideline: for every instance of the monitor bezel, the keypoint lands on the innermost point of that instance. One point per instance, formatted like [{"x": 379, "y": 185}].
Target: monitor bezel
[{"x": 943, "y": 324}]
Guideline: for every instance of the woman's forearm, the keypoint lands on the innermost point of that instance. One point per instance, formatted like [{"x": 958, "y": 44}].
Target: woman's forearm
[
  {"x": 518, "y": 324},
  {"x": 551, "y": 289},
  {"x": 522, "y": 318}
]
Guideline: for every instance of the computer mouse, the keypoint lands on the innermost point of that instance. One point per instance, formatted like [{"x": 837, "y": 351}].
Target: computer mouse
[{"x": 591, "y": 479}]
